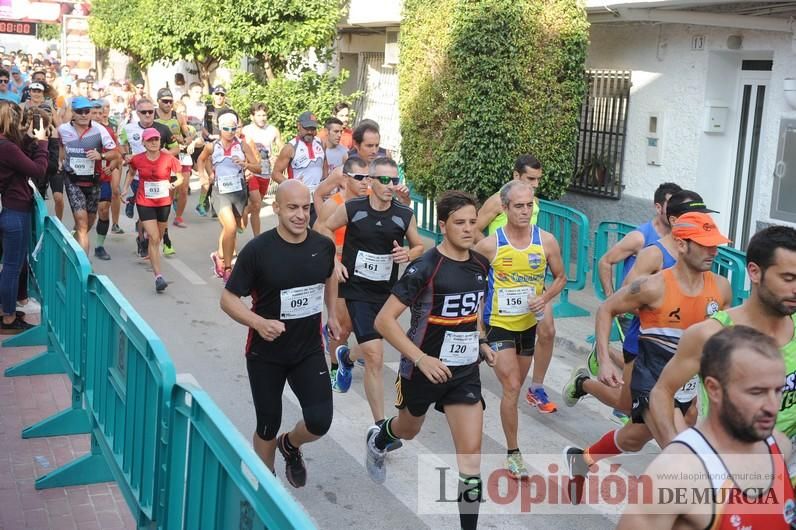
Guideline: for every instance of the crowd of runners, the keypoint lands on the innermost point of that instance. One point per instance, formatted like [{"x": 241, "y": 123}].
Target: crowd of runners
[{"x": 346, "y": 248}]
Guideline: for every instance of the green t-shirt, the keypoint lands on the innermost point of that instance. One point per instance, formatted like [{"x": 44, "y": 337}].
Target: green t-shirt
[
  {"x": 786, "y": 419},
  {"x": 501, "y": 219}
]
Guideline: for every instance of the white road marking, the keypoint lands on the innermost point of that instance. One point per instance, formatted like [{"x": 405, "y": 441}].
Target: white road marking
[{"x": 187, "y": 273}]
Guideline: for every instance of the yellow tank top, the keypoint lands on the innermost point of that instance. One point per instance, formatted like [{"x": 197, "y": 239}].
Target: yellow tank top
[
  {"x": 501, "y": 219},
  {"x": 515, "y": 274}
]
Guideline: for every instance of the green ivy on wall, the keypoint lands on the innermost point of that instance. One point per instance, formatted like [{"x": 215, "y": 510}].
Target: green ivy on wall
[{"x": 483, "y": 81}]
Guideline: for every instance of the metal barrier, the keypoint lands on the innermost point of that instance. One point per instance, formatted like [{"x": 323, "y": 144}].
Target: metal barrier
[
  {"x": 571, "y": 229},
  {"x": 607, "y": 235},
  {"x": 215, "y": 480},
  {"x": 731, "y": 263},
  {"x": 63, "y": 274},
  {"x": 426, "y": 215}
]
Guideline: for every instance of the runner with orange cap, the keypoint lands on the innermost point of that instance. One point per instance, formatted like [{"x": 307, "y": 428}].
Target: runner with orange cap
[{"x": 667, "y": 303}]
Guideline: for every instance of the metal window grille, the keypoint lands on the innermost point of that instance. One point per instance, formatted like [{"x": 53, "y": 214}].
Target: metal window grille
[{"x": 599, "y": 156}]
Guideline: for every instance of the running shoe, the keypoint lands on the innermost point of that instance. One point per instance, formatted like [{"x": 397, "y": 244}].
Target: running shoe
[
  {"x": 143, "y": 247},
  {"x": 116, "y": 229},
  {"x": 160, "y": 284},
  {"x": 515, "y": 465},
  {"x": 201, "y": 210},
  {"x": 333, "y": 376},
  {"x": 538, "y": 398},
  {"x": 617, "y": 416},
  {"x": 343, "y": 369},
  {"x": 592, "y": 362},
  {"x": 15, "y": 327},
  {"x": 101, "y": 253},
  {"x": 129, "y": 208},
  {"x": 218, "y": 265},
  {"x": 31, "y": 306},
  {"x": 179, "y": 222},
  {"x": 226, "y": 275},
  {"x": 361, "y": 362},
  {"x": 295, "y": 470},
  {"x": 374, "y": 457},
  {"x": 578, "y": 469},
  {"x": 573, "y": 389},
  {"x": 168, "y": 250}
]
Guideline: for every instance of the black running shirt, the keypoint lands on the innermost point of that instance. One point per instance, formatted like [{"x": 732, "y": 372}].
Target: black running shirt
[
  {"x": 286, "y": 282},
  {"x": 367, "y": 249},
  {"x": 443, "y": 295}
]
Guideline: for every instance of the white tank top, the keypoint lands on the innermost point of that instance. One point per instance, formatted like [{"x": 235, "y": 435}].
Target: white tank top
[
  {"x": 306, "y": 167},
  {"x": 334, "y": 156},
  {"x": 263, "y": 138},
  {"x": 229, "y": 176}
]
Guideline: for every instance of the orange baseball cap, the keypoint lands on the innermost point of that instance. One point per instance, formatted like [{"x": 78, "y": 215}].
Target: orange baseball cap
[{"x": 699, "y": 228}]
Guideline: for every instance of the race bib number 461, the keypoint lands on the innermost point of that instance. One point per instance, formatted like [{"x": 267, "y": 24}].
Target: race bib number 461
[
  {"x": 301, "y": 302},
  {"x": 376, "y": 267}
]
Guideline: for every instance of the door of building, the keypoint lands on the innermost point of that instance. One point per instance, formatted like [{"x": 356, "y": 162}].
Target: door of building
[{"x": 753, "y": 84}]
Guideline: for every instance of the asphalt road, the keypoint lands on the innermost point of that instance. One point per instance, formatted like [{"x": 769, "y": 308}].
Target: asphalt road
[{"x": 206, "y": 343}]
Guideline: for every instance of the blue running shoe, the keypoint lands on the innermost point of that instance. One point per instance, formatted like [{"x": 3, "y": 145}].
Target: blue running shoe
[
  {"x": 343, "y": 369},
  {"x": 201, "y": 210},
  {"x": 129, "y": 208},
  {"x": 361, "y": 362}
]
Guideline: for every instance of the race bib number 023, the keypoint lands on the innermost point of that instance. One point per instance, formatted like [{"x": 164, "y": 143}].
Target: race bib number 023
[
  {"x": 375, "y": 267},
  {"x": 301, "y": 302}
]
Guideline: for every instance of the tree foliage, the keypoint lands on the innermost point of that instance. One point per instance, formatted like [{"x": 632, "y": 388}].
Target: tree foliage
[
  {"x": 483, "y": 81},
  {"x": 48, "y": 32},
  {"x": 286, "y": 98},
  {"x": 127, "y": 26}
]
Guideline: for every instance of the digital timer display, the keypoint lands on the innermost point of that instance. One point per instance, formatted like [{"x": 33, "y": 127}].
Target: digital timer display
[{"x": 18, "y": 28}]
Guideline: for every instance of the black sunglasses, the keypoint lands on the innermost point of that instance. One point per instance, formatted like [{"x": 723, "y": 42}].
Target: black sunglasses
[
  {"x": 386, "y": 180},
  {"x": 167, "y": 101},
  {"x": 3, "y": 81},
  {"x": 82, "y": 112},
  {"x": 357, "y": 176},
  {"x": 146, "y": 111}
]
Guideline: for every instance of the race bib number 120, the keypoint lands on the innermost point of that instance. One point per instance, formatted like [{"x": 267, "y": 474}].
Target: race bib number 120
[
  {"x": 459, "y": 348},
  {"x": 301, "y": 302}
]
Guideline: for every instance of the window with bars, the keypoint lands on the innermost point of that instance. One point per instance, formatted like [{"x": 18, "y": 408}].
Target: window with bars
[{"x": 600, "y": 151}]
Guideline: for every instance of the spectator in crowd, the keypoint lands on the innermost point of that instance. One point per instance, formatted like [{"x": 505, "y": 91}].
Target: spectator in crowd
[
  {"x": 5, "y": 93},
  {"x": 16, "y": 198}
]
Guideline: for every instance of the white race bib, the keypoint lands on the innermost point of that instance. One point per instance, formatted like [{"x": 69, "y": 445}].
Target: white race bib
[
  {"x": 156, "y": 189},
  {"x": 459, "y": 348},
  {"x": 82, "y": 166},
  {"x": 185, "y": 159},
  {"x": 514, "y": 300},
  {"x": 376, "y": 267},
  {"x": 229, "y": 183},
  {"x": 689, "y": 390},
  {"x": 301, "y": 302}
]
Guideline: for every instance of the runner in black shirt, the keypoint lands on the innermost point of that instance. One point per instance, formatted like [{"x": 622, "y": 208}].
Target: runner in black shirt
[
  {"x": 375, "y": 229},
  {"x": 289, "y": 273},
  {"x": 440, "y": 352}
]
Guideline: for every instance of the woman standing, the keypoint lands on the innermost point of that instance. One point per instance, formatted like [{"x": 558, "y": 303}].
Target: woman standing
[
  {"x": 159, "y": 175},
  {"x": 230, "y": 158},
  {"x": 16, "y": 198}
]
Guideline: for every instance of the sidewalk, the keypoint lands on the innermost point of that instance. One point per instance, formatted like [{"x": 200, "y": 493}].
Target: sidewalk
[{"x": 25, "y": 400}]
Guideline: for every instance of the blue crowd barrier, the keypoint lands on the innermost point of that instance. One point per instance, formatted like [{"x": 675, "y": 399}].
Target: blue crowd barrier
[
  {"x": 426, "y": 215},
  {"x": 215, "y": 479},
  {"x": 607, "y": 235},
  {"x": 731, "y": 263},
  {"x": 62, "y": 277},
  {"x": 571, "y": 229}
]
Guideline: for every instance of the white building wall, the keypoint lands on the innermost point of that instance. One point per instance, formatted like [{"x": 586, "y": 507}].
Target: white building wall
[{"x": 672, "y": 79}]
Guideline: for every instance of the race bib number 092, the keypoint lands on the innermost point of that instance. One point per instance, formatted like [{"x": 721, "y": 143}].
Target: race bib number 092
[{"x": 301, "y": 302}]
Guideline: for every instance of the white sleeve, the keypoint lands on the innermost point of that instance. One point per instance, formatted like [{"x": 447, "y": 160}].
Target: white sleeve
[{"x": 107, "y": 139}]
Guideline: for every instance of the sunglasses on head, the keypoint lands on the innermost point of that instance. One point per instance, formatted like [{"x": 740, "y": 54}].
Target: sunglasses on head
[
  {"x": 356, "y": 176},
  {"x": 146, "y": 111},
  {"x": 229, "y": 129},
  {"x": 387, "y": 180}
]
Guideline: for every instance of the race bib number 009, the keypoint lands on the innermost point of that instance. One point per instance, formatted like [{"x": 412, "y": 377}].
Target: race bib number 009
[
  {"x": 459, "y": 348},
  {"x": 229, "y": 183},
  {"x": 301, "y": 302},
  {"x": 376, "y": 267},
  {"x": 158, "y": 189},
  {"x": 514, "y": 300},
  {"x": 82, "y": 166}
]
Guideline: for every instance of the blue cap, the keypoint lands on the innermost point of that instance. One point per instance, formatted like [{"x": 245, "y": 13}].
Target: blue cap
[
  {"x": 15, "y": 70},
  {"x": 95, "y": 104},
  {"x": 81, "y": 102}
]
